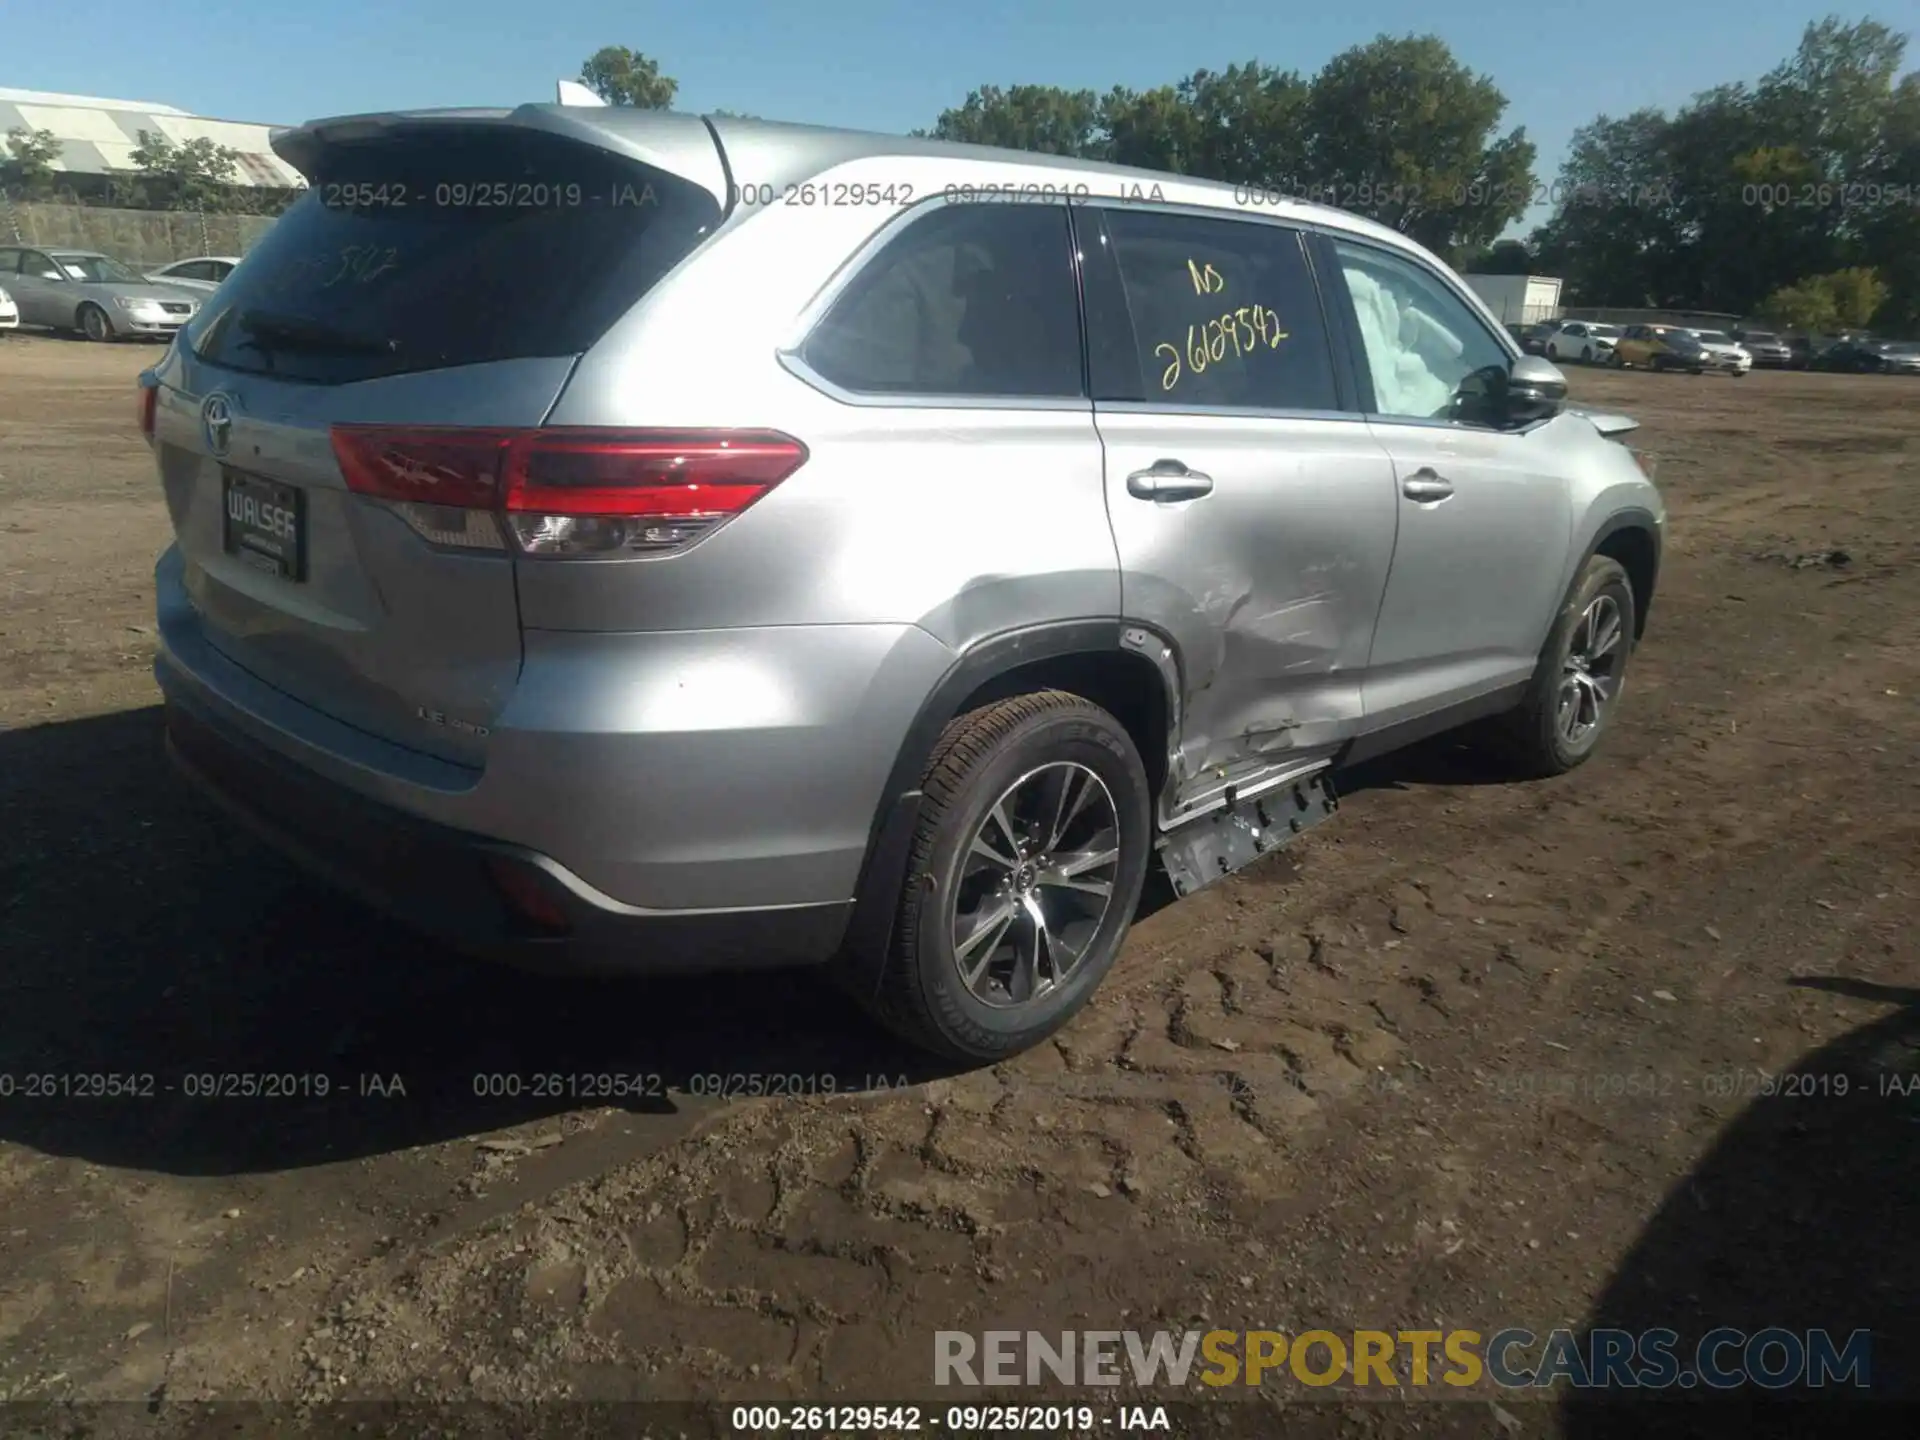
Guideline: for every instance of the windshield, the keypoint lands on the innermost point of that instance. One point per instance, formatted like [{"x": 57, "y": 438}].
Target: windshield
[
  {"x": 1901, "y": 347},
  {"x": 1714, "y": 337},
  {"x": 1605, "y": 332},
  {"x": 96, "y": 267}
]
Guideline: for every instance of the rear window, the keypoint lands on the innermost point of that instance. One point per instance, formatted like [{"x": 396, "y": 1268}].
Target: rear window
[{"x": 451, "y": 247}]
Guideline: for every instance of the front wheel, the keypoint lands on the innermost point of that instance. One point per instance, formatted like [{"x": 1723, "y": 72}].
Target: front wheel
[
  {"x": 1617, "y": 360},
  {"x": 1586, "y": 354},
  {"x": 95, "y": 325},
  {"x": 1026, "y": 869},
  {"x": 1576, "y": 686}
]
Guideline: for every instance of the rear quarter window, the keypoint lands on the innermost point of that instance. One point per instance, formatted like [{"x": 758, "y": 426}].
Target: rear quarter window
[
  {"x": 449, "y": 247},
  {"x": 967, "y": 301}
]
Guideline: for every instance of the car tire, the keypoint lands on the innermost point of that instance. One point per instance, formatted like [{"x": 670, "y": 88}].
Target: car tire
[
  {"x": 93, "y": 323},
  {"x": 1617, "y": 360},
  {"x": 1534, "y": 740},
  {"x": 1586, "y": 354},
  {"x": 991, "y": 767}
]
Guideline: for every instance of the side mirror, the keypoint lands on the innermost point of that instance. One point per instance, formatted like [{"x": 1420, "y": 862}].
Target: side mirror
[{"x": 1535, "y": 391}]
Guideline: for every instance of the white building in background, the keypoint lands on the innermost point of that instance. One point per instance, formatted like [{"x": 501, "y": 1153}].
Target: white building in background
[
  {"x": 1518, "y": 299},
  {"x": 98, "y": 136}
]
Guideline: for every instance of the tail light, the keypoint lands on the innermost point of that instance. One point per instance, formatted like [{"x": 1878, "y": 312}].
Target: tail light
[
  {"x": 148, "y": 400},
  {"x": 562, "y": 493}
]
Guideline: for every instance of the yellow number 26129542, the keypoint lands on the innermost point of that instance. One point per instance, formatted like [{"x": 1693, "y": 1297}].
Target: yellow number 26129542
[{"x": 1241, "y": 332}]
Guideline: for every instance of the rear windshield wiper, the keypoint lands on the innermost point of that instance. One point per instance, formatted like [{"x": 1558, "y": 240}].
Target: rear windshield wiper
[{"x": 269, "y": 330}]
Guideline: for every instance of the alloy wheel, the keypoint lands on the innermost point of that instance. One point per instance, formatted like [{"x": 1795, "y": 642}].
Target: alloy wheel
[
  {"x": 1035, "y": 884},
  {"x": 1590, "y": 674}
]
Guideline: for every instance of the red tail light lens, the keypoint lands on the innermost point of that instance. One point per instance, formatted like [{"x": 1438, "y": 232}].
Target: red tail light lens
[
  {"x": 148, "y": 400},
  {"x": 565, "y": 492}
]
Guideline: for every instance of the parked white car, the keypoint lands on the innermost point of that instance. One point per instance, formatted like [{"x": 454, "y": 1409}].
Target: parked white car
[
  {"x": 1583, "y": 340},
  {"x": 9, "y": 312},
  {"x": 202, "y": 272},
  {"x": 1723, "y": 351}
]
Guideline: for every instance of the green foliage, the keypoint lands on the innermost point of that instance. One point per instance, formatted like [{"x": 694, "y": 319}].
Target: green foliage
[
  {"x": 1845, "y": 300},
  {"x": 1757, "y": 195},
  {"x": 1503, "y": 257},
  {"x": 196, "y": 175},
  {"x": 28, "y": 160},
  {"x": 1043, "y": 118},
  {"x": 621, "y": 76},
  {"x": 1397, "y": 129},
  {"x": 1404, "y": 122}
]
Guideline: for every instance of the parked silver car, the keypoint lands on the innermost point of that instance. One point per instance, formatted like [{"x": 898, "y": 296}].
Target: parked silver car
[
  {"x": 93, "y": 293},
  {"x": 1723, "y": 352},
  {"x": 199, "y": 272},
  {"x": 615, "y": 565}
]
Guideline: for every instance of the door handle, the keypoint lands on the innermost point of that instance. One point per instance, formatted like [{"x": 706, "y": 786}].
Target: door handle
[
  {"x": 1426, "y": 485},
  {"x": 1168, "y": 480}
]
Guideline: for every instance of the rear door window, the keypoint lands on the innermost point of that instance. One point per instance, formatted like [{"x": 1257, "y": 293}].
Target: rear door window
[
  {"x": 451, "y": 246},
  {"x": 1223, "y": 313},
  {"x": 967, "y": 301}
]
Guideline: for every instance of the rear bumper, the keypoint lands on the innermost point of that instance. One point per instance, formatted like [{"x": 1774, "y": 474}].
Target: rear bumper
[{"x": 446, "y": 884}]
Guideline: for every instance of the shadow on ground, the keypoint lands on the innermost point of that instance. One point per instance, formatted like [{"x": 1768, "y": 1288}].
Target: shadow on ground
[
  {"x": 152, "y": 944},
  {"x": 1801, "y": 1217},
  {"x": 145, "y": 936}
]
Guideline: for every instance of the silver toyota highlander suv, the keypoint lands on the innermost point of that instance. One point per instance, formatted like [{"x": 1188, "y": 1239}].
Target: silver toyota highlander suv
[{"x": 632, "y": 541}]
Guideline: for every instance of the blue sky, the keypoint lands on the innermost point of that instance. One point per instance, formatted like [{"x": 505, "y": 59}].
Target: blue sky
[{"x": 868, "y": 64}]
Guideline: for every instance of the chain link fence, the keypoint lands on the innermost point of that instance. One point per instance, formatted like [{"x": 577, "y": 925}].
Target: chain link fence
[{"x": 142, "y": 238}]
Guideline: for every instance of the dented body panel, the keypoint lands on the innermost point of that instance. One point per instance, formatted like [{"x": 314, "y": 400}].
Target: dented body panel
[{"x": 1267, "y": 587}]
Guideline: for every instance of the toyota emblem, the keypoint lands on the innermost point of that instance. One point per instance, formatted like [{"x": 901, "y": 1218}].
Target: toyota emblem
[{"x": 216, "y": 420}]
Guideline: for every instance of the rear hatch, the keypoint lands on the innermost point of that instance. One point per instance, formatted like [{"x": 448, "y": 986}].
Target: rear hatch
[{"x": 443, "y": 270}]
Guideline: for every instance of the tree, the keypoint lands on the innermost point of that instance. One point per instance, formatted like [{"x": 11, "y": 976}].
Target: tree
[
  {"x": 1858, "y": 293},
  {"x": 1503, "y": 257},
  {"x": 30, "y": 156},
  {"x": 1844, "y": 300},
  {"x": 1748, "y": 191},
  {"x": 1807, "y": 306},
  {"x": 1042, "y": 118},
  {"x": 196, "y": 175},
  {"x": 1249, "y": 125},
  {"x": 1400, "y": 129},
  {"x": 1397, "y": 129},
  {"x": 621, "y": 76}
]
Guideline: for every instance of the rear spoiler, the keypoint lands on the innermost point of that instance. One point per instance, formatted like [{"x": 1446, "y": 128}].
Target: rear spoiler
[
  {"x": 682, "y": 145},
  {"x": 1607, "y": 423}
]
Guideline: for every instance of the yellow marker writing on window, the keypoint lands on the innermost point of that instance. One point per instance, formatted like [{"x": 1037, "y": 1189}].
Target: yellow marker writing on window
[
  {"x": 1244, "y": 332},
  {"x": 1206, "y": 279}
]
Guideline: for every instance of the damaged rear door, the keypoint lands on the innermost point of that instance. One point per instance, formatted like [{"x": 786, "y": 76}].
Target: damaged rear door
[{"x": 1253, "y": 511}]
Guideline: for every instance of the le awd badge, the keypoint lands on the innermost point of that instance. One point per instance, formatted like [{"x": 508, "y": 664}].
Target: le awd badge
[{"x": 449, "y": 722}]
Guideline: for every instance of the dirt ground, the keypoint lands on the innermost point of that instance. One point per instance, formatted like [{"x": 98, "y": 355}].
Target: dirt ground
[{"x": 1475, "y": 1054}]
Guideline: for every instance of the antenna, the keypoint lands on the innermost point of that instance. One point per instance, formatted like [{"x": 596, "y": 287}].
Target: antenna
[{"x": 572, "y": 92}]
